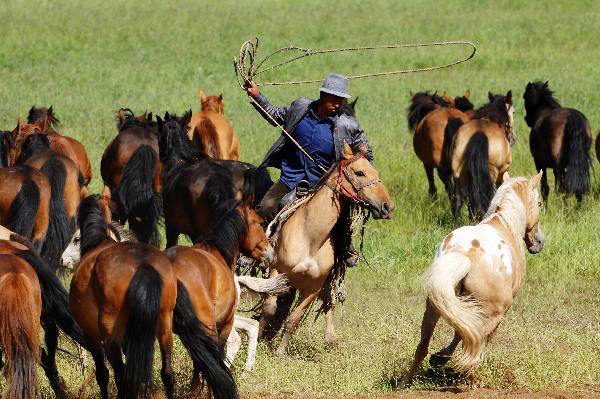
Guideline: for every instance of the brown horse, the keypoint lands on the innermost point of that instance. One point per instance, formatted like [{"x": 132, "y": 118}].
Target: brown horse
[
  {"x": 428, "y": 116},
  {"x": 560, "y": 139},
  {"x": 477, "y": 272},
  {"x": 64, "y": 145},
  {"x": 598, "y": 146},
  {"x": 479, "y": 154},
  {"x": 304, "y": 250},
  {"x": 131, "y": 173},
  {"x": 211, "y": 132}
]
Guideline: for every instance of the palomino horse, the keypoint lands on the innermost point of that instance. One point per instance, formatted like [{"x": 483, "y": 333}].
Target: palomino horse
[
  {"x": 479, "y": 154},
  {"x": 560, "y": 139},
  {"x": 304, "y": 250},
  {"x": 65, "y": 145},
  {"x": 211, "y": 132},
  {"x": 477, "y": 272},
  {"x": 428, "y": 116},
  {"x": 196, "y": 190},
  {"x": 66, "y": 191},
  {"x": 131, "y": 173}
]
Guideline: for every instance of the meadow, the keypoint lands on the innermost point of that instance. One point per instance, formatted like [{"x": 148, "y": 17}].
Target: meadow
[{"x": 88, "y": 59}]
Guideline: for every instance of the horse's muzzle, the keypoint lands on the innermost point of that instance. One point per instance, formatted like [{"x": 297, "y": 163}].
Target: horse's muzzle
[
  {"x": 383, "y": 211},
  {"x": 538, "y": 243}
]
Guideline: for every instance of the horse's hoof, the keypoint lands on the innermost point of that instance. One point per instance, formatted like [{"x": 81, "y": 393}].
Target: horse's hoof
[
  {"x": 280, "y": 352},
  {"x": 437, "y": 360},
  {"x": 331, "y": 341}
]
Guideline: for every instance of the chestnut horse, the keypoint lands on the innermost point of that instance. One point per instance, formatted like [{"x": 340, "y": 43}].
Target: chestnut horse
[
  {"x": 196, "y": 189},
  {"x": 304, "y": 249},
  {"x": 560, "y": 139},
  {"x": 131, "y": 173},
  {"x": 211, "y": 132},
  {"x": 479, "y": 154},
  {"x": 477, "y": 272},
  {"x": 64, "y": 145},
  {"x": 66, "y": 191},
  {"x": 428, "y": 116}
]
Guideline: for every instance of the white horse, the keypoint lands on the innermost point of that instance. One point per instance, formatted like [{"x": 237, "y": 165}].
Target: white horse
[{"x": 477, "y": 272}]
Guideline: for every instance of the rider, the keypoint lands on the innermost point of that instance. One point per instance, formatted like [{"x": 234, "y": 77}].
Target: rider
[{"x": 319, "y": 127}]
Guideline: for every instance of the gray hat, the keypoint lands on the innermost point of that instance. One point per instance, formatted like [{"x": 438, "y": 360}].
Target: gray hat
[{"x": 336, "y": 85}]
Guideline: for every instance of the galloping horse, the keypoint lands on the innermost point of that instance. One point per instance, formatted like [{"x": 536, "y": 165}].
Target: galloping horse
[
  {"x": 304, "y": 250},
  {"x": 479, "y": 154},
  {"x": 211, "y": 132},
  {"x": 477, "y": 272},
  {"x": 428, "y": 116},
  {"x": 124, "y": 295},
  {"x": 195, "y": 189},
  {"x": 65, "y": 145},
  {"x": 560, "y": 139},
  {"x": 131, "y": 173}
]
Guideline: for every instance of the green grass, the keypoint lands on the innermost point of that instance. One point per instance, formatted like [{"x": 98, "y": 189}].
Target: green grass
[{"x": 89, "y": 59}]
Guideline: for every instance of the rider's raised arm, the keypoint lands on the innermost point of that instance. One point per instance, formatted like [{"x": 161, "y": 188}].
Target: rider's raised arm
[{"x": 277, "y": 113}]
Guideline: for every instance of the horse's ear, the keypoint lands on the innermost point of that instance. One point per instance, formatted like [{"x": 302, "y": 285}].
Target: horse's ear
[
  {"x": 353, "y": 103},
  {"x": 121, "y": 116},
  {"x": 347, "y": 152},
  {"x": 490, "y": 96},
  {"x": 221, "y": 97},
  {"x": 167, "y": 116},
  {"x": 509, "y": 97},
  {"x": 546, "y": 84},
  {"x": 449, "y": 100},
  {"x": 202, "y": 96},
  {"x": 159, "y": 123},
  {"x": 505, "y": 176},
  {"x": 535, "y": 180},
  {"x": 49, "y": 113},
  {"x": 467, "y": 94},
  {"x": 30, "y": 114},
  {"x": 187, "y": 117}
]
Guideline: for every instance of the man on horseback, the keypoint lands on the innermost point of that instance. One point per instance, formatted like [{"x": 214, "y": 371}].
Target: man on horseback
[{"x": 320, "y": 128}]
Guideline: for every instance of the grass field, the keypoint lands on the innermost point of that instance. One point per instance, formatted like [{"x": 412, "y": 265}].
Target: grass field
[{"x": 88, "y": 59}]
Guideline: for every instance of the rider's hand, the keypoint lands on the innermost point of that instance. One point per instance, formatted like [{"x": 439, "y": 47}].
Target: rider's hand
[{"x": 252, "y": 89}]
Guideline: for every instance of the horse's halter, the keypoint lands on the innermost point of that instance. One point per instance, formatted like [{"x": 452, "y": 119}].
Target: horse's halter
[{"x": 355, "y": 196}]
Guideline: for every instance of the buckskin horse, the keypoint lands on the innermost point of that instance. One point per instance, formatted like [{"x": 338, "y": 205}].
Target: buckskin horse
[
  {"x": 65, "y": 145},
  {"x": 560, "y": 139},
  {"x": 428, "y": 116},
  {"x": 211, "y": 132},
  {"x": 304, "y": 249},
  {"x": 477, "y": 272},
  {"x": 131, "y": 173},
  {"x": 479, "y": 154}
]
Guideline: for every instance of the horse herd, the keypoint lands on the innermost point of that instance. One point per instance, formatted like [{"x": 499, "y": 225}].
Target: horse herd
[{"x": 125, "y": 293}]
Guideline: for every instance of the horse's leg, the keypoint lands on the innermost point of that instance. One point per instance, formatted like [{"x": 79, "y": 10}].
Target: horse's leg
[
  {"x": 48, "y": 359},
  {"x": 115, "y": 358},
  {"x": 268, "y": 312},
  {"x": 456, "y": 202},
  {"x": 250, "y": 326},
  {"x": 442, "y": 357},
  {"x": 544, "y": 183},
  {"x": 172, "y": 235},
  {"x": 430, "y": 319},
  {"x": 291, "y": 324},
  {"x": 234, "y": 342},
  {"x": 165, "y": 341},
  {"x": 432, "y": 188},
  {"x": 330, "y": 337},
  {"x": 102, "y": 375}
]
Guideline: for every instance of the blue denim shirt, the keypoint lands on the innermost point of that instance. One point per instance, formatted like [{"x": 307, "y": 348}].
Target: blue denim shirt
[{"x": 316, "y": 137}]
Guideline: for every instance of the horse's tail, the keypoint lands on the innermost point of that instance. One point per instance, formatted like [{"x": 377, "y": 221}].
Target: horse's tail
[
  {"x": 479, "y": 189},
  {"x": 451, "y": 128},
  {"x": 463, "y": 313},
  {"x": 202, "y": 348},
  {"x": 137, "y": 197},
  {"x": 55, "y": 298},
  {"x": 205, "y": 138},
  {"x": 24, "y": 209},
  {"x": 59, "y": 234},
  {"x": 143, "y": 304},
  {"x": 280, "y": 284},
  {"x": 19, "y": 335},
  {"x": 575, "y": 156}
]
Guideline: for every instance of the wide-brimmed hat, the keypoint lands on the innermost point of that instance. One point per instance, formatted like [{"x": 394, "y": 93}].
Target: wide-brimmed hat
[{"x": 336, "y": 85}]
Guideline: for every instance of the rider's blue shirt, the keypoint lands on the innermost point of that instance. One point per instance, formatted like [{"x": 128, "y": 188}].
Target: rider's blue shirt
[{"x": 316, "y": 137}]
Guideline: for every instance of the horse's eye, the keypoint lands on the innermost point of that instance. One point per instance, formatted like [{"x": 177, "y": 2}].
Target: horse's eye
[
  {"x": 540, "y": 204},
  {"x": 360, "y": 173}
]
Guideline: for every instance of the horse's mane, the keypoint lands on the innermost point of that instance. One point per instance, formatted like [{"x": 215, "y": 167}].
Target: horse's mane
[
  {"x": 539, "y": 94},
  {"x": 36, "y": 114},
  {"x": 91, "y": 223},
  {"x": 257, "y": 182},
  {"x": 511, "y": 205},
  {"x": 33, "y": 144},
  {"x": 6, "y": 142},
  {"x": 132, "y": 121},
  {"x": 421, "y": 104},
  {"x": 495, "y": 110},
  {"x": 463, "y": 104}
]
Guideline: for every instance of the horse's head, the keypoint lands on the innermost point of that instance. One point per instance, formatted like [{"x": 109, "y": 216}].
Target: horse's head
[
  {"x": 255, "y": 244},
  {"x": 462, "y": 103},
  {"x": 36, "y": 114},
  {"x": 348, "y": 108},
  {"x": 21, "y": 132},
  {"x": 359, "y": 181},
  {"x": 173, "y": 142},
  {"x": 212, "y": 103},
  {"x": 501, "y": 111},
  {"x": 510, "y": 110}
]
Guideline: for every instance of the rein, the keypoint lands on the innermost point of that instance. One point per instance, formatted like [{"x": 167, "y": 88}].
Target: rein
[{"x": 353, "y": 196}]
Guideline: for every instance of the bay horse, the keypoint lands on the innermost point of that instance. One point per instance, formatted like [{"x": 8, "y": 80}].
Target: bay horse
[
  {"x": 428, "y": 117},
  {"x": 64, "y": 145},
  {"x": 67, "y": 189},
  {"x": 479, "y": 154},
  {"x": 211, "y": 132},
  {"x": 304, "y": 250},
  {"x": 560, "y": 139},
  {"x": 131, "y": 173},
  {"x": 477, "y": 272},
  {"x": 189, "y": 207}
]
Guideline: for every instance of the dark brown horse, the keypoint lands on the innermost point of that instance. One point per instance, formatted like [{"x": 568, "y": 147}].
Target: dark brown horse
[
  {"x": 428, "y": 116},
  {"x": 560, "y": 139},
  {"x": 189, "y": 208},
  {"x": 131, "y": 173},
  {"x": 64, "y": 145},
  {"x": 66, "y": 191}
]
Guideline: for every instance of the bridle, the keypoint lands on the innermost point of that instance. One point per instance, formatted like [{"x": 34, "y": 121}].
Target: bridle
[{"x": 339, "y": 188}]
